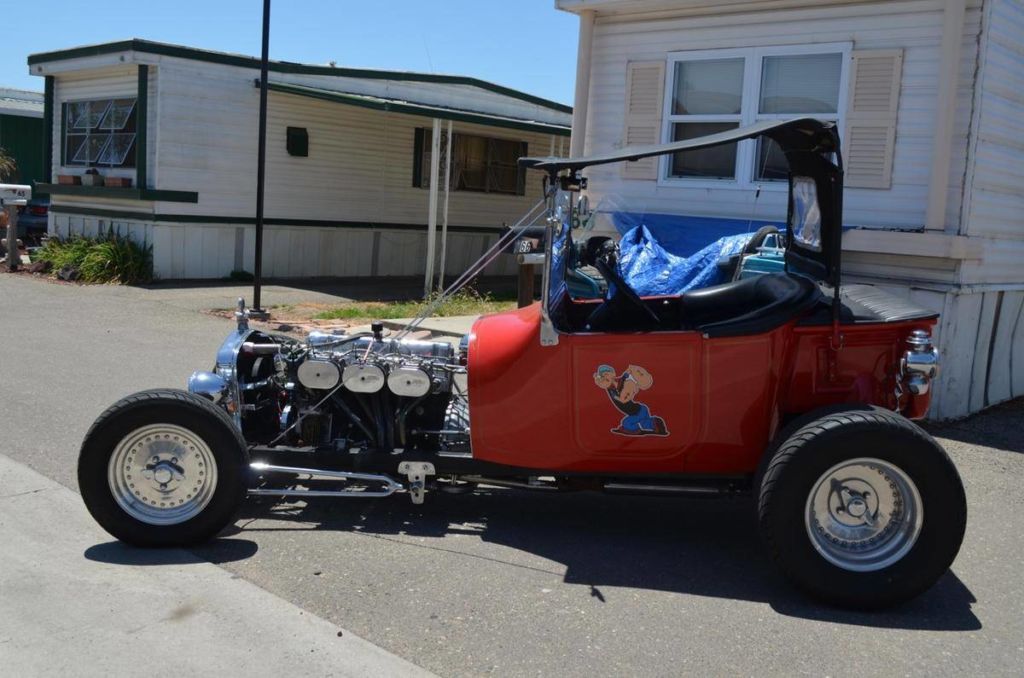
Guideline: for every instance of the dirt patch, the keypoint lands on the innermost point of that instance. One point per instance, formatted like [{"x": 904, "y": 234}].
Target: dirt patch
[{"x": 294, "y": 320}]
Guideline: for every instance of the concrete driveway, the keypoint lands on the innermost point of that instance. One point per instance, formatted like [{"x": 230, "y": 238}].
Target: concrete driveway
[{"x": 509, "y": 583}]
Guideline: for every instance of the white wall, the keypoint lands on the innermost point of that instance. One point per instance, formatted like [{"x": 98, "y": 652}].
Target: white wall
[
  {"x": 995, "y": 195},
  {"x": 912, "y": 25},
  {"x": 202, "y": 138},
  {"x": 359, "y": 166},
  {"x": 116, "y": 81},
  {"x": 197, "y": 251}
]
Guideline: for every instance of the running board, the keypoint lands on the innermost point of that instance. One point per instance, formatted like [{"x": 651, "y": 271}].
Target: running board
[
  {"x": 390, "y": 485},
  {"x": 678, "y": 490}
]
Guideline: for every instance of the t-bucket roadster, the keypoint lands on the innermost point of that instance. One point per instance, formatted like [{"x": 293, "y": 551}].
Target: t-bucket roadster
[{"x": 786, "y": 385}]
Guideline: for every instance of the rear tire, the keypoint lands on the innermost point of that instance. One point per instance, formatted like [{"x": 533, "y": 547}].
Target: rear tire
[
  {"x": 163, "y": 468},
  {"x": 862, "y": 508}
]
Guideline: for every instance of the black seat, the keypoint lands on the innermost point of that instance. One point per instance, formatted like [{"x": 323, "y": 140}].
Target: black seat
[{"x": 750, "y": 306}]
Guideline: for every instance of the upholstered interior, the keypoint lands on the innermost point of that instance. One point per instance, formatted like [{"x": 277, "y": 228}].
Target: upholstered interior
[{"x": 749, "y": 306}]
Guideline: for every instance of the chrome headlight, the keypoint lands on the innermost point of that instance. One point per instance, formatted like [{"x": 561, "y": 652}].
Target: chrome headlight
[{"x": 209, "y": 385}]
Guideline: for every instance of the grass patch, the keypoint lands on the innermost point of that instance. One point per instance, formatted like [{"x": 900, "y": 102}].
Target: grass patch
[
  {"x": 465, "y": 302},
  {"x": 110, "y": 258}
]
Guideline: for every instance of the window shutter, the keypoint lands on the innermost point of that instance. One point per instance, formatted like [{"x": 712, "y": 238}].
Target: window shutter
[
  {"x": 870, "y": 135},
  {"x": 417, "y": 157},
  {"x": 645, "y": 83}
]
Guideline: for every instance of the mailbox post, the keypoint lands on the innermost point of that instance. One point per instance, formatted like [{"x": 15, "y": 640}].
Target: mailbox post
[{"x": 13, "y": 196}]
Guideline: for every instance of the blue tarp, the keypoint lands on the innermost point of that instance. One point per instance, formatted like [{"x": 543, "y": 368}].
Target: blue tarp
[
  {"x": 685, "y": 235},
  {"x": 662, "y": 254},
  {"x": 651, "y": 270}
]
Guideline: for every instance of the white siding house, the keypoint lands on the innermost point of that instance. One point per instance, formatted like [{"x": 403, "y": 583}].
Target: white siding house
[
  {"x": 929, "y": 97},
  {"x": 349, "y": 198}
]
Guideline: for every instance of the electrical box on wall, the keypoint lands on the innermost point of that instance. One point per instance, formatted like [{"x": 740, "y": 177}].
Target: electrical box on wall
[{"x": 298, "y": 142}]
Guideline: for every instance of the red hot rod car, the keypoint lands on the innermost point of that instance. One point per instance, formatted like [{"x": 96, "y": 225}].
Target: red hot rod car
[{"x": 788, "y": 386}]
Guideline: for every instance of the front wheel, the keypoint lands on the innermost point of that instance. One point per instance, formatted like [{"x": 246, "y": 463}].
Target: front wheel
[
  {"x": 862, "y": 508},
  {"x": 163, "y": 468}
]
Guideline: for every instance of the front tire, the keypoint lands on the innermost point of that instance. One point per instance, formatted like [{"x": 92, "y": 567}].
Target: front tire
[
  {"x": 862, "y": 508},
  {"x": 163, "y": 468}
]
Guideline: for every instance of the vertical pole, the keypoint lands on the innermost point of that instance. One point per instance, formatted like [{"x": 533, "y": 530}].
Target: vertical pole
[
  {"x": 261, "y": 160},
  {"x": 435, "y": 160},
  {"x": 527, "y": 275},
  {"x": 13, "y": 255},
  {"x": 444, "y": 210}
]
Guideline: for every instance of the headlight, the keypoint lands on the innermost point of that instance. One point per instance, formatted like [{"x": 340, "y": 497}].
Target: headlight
[{"x": 208, "y": 385}]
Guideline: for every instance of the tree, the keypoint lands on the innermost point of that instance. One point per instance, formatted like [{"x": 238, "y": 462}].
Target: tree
[{"x": 8, "y": 167}]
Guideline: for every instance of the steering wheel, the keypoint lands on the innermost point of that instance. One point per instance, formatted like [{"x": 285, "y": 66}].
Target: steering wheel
[{"x": 604, "y": 259}]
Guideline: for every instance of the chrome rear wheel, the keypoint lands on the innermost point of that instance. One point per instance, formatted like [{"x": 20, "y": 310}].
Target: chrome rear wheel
[{"x": 864, "y": 514}]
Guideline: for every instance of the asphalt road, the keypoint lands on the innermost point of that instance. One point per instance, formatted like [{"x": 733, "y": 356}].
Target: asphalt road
[{"x": 510, "y": 583}]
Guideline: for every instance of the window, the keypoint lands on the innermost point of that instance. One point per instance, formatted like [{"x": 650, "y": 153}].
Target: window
[
  {"x": 479, "y": 164},
  {"x": 718, "y": 90},
  {"x": 99, "y": 133}
]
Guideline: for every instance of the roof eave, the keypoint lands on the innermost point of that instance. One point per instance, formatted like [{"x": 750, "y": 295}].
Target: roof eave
[{"x": 239, "y": 60}]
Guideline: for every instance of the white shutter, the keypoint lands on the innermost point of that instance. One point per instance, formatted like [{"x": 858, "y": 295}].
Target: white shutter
[
  {"x": 645, "y": 82},
  {"x": 870, "y": 136}
]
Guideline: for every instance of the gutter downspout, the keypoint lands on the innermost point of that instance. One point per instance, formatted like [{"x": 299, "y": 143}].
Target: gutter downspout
[
  {"x": 582, "y": 96},
  {"x": 945, "y": 105}
]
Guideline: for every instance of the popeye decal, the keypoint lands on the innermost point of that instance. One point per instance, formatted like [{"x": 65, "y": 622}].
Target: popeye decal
[{"x": 622, "y": 390}]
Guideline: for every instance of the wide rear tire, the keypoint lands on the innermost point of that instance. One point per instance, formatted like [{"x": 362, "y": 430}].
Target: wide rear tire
[
  {"x": 862, "y": 508},
  {"x": 163, "y": 468}
]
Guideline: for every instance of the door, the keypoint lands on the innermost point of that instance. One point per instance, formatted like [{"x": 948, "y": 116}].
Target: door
[{"x": 636, "y": 400}]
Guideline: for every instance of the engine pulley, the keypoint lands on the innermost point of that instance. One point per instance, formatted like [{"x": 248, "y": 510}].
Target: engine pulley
[
  {"x": 318, "y": 374},
  {"x": 363, "y": 378},
  {"x": 409, "y": 381}
]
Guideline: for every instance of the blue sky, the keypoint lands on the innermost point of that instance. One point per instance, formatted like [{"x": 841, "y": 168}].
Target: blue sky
[{"x": 525, "y": 44}]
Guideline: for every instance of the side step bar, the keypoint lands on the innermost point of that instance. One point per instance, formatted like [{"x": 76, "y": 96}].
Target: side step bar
[{"x": 390, "y": 485}]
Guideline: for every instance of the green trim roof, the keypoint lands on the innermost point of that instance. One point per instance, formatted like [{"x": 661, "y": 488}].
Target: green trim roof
[
  {"x": 413, "y": 108},
  {"x": 165, "y": 49}
]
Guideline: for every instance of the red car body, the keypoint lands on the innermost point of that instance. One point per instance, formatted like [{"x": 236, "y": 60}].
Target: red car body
[{"x": 723, "y": 398}]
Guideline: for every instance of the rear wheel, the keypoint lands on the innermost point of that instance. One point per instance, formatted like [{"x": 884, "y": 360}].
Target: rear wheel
[
  {"x": 862, "y": 508},
  {"x": 163, "y": 468}
]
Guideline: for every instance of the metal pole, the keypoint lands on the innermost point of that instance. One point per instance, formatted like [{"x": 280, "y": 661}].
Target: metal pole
[
  {"x": 444, "y": 210},
  {"x": 13, "y": 255},
  {"x": 261, "y": 162},
  {"x": 435, "y": 153}
]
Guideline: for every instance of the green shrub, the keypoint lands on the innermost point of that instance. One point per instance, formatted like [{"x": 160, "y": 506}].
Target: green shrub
[
  {"x": 239, "y": 275},
  {"x": 110, "y": 258}
]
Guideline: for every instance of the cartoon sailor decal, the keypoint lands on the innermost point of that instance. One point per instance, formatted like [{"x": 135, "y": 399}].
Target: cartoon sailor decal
[{"x": 622, "y": 390}]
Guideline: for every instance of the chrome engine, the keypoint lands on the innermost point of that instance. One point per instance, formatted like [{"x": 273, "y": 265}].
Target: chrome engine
[{"x": 354, "y": 394}]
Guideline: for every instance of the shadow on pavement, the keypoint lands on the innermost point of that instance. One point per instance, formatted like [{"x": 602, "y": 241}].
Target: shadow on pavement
[
  {"x": 706, "y": 548},
  {"x": 997, "y": 427},
  {"x": 216, "y": 551}
]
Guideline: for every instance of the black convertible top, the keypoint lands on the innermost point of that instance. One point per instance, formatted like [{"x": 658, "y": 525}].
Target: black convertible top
[{"x": 798, "y": 134}]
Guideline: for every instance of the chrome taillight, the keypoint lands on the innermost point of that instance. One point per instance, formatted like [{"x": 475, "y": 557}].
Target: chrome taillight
[{"x": 920, "y": 363}]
